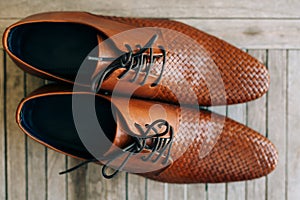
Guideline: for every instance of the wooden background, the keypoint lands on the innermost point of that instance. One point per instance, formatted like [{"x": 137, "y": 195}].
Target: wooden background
[{"x": 269, "y": 30}]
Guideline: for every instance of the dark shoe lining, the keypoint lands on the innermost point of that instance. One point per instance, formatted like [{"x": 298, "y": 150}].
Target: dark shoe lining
[
  {"x": 50, "y": 120},
  {"x": 57, "y": 48}
]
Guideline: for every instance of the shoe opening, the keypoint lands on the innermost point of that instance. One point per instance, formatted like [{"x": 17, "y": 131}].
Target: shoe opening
[
  {"x": 50, "y": 119},
  {"x": 56, "y": 48}
]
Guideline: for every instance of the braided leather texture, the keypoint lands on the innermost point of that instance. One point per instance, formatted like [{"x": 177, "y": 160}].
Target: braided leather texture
[
  {"x": 206, "y": 147},
  {"x": 200, "y": 69},
  {"x": 238, "y": 153},
  {"x": 244, "y": 77}
]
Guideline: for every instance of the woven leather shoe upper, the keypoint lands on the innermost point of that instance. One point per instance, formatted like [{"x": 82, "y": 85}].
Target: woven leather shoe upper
[
  {"x": 199, "y": 146},
  {"x": 192, "y": 56}
]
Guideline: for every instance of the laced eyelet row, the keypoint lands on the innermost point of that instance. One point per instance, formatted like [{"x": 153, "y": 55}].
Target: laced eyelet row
[
  {"x": 159, "y": 144},
  {"x": 140, "y": 61}
]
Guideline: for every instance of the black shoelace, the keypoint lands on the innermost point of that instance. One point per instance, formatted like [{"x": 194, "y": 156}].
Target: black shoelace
[
  {"x": 158, "y": 145},
  {"x": 141, "y": 61}
]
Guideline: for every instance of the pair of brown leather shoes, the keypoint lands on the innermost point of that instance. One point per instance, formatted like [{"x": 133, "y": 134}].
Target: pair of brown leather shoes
[{"x": 132, "y": 93}]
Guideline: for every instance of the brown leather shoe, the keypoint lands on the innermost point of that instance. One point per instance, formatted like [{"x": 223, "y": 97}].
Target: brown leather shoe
[
  {"x": 171, "y": 62},
  {"x": 155, "y": 140}
]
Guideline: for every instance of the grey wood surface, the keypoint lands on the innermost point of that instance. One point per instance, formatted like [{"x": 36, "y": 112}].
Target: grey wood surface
[
  {"x": 35, "y": 153},
  {"x": 256, "y": 119},
  {"x": 277, "y": 60},
  {"x": 293, "y": 127},
  {"x": 256, "y": 9},
  {"x": 2, "y": 130},
  {"x": 15, "y": 148},
  {"x": 253, "y": 33},
  {"x": 269, "y": 29},
  {"x": 236, "y": 191}
]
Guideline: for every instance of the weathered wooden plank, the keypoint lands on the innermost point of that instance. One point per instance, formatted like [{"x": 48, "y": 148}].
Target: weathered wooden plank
[
  {"x": 176, "y": 191},
  {"x": 2, "y": 128},
  {"x": 56, "y": 162},
  {"x": 95, "y": 185},
  {"x": 77, "y": 181},
  {"x": 100, "y": 188},
  {"x": 171, "y": 8},
  {"x": 136, "y": 187},
  {"x": 217, "y": 191},
  {"x": 293, "y": 161},
  {"x": 254, "y": 34},
  {"x": 248, "y": 33},
  {"x": 116, "y": 187},
  {"x": 236, "y": 191},
  {"x": 90, "y": 184},
  {"x": 155, "y": 190},
  {"x": 36, "y": 153},
  {"x": 256, "y": 119},
  {"x": 16, "y": 172},
  {"x": 56, "y": 184},
  {"x": 3, "y": 25},
  {"x": 277, "y": 62},
  {"x": 196, "y": 191}
]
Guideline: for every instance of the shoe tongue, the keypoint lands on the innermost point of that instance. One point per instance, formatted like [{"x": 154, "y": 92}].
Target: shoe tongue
[
  {"x": 127, "y": 114},
  {"x": 131, "y": 113},
  {"x": 113, "y": 47}
]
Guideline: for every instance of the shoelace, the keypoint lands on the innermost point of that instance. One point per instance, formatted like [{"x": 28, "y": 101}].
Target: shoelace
[
  {"x": 141, "y": 61},
  {"x": 158, "y": 144}
]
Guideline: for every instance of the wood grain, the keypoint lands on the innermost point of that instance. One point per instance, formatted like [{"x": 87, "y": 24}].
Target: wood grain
[
  {"x": 247, "y": 24},
  {"x": 16, "y": 168},
  {"x": 56, "y": 184},
  {"x": 115, "y": 188},
  {"x": 277, "y": 62},
  {"x": 252, "y": 34},
  {"x": 236, "y": 191},
  {"x": 2, "y": 129},
  {"x": 35, "y": 153},
  {"x": 97, "y": 187},
  {"x": 136, "y": 187},
  {"x": 155, "y": 190},
  {"x": 176, "y": 191},
  {"x": 77, "y": 186},
  {"x": 196, "y": 191},
  {"x": 293, "y": 161},
  {"x": 156, "y": 8},
  {"x": 3, "y": 25},
  {"x": 95, "y": 183},
  {"x": 87, "y": 183},
  {"x": 246, "y": 33},
  {"x": 256, "y": 119}
]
